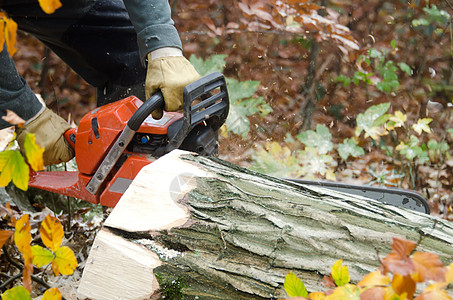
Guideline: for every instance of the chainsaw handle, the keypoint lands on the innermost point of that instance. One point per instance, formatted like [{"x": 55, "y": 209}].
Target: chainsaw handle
[{"x": 150, "y": 105}]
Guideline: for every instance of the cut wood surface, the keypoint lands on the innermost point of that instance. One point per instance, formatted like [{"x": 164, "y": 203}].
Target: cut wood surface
[{"x": 222, "y": 232}]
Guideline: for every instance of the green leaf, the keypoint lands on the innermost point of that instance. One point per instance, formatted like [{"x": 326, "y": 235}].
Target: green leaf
[
  {"x": 238, "y": 90},
  {"x": 243, "y": 105},
  {"x": 13, "y": 168},
  {"x": 41, "y": 256},
  {"x": 370, "y": 120},
  {"x": 450, "y": 131},
  {"x": 343, "y": 79},
  {"x": 16, "y": 293},
  {"x": 294, "y": 287},
  {"x": 237, "y": 121},
  {"x": 314, "y": 163},
  {"x": 393, "y": 44},
  {"x": 374, "y": 53},
  {"x": 348, "y": 148},
  {"x": 340, "y": 274},
  {"x": 405, "y": 68},
  {"x": 276, "y": 161},
  {"x": 319, "y": 139},
  {"x": 215, "y": 63}
]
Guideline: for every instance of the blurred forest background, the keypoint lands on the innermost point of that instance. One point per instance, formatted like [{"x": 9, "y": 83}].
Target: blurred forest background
[{"x": 352, "y": 91}]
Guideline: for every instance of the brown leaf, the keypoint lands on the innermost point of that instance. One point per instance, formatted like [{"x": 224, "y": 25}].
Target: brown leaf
[
  {"x": 376, "y": 293},
  {"x": 427, "y": 267},
  {"x": 12, "y": 118},
  {"x": 4, "y": 236},
  {"x": 398, "y": 261}
]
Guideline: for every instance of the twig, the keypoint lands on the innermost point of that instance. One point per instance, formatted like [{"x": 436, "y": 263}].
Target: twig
[{"x": 10, "y": 280}]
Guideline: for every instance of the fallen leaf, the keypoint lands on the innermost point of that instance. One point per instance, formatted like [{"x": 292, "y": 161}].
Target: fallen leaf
[
  {"x": 12, "y": 118},
  {"x": 435, "y": 291},
  {"x": 374, "y": 279},
  {"x": 398, "y": 261},
  {"x": 4, "y": 236},
  {"x": 427, "y": 267},
  {"x": 375, "y": 293}
]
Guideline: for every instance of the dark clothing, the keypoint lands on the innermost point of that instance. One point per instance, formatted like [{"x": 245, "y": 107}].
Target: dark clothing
[{"x": 97, "y": 39}]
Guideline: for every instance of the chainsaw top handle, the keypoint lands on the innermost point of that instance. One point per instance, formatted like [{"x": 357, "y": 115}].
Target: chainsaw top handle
[{"x": 150, "y": 105}]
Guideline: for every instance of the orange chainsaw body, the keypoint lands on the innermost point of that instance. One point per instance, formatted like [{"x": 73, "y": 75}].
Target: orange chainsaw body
[
  {"x": 114, "y": 142},
  {"x": 96, "y": 133}
]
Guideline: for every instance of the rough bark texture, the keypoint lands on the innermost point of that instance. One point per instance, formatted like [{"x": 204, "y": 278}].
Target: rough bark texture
[{"x": 239, "y": 233}]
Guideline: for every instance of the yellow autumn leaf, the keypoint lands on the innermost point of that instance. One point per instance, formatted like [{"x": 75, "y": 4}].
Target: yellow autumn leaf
[
  {"x": 317, "y": 296},
  {"x": 51, "y": 232},
  {"x": 2, "y": 30},
  {"x": 422, "y": 125},
  {"x": 52, "y": 294},
  {"x": 347, "y": 291},
  {"x": 49, "y": 6},
  {"x": 396, "y": 120},
  {"x": 13, "y": 167},
  {"x": 65, "y": 261},
  {"x": 41, "y": 256},
  {"x": 374, "y": 279},
  {"x": 449, "y": 274},
  {"x": 22, "y": 235},
  {"x": 10, "y": 36},
  {"x": 435, "y": 291},
  {"x": 33, "y": 152},
  {"x": 340, "y": 274}
]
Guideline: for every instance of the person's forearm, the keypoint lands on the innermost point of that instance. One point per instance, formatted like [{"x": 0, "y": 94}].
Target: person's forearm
[{"x": 153, "y": 23}]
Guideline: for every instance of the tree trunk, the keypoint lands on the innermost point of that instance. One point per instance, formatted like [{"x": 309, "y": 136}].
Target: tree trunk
[{"x": 211, "y": 230}]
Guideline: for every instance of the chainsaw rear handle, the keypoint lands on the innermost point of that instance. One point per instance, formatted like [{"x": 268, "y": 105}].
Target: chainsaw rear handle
[{"x": 212, "y": 109}]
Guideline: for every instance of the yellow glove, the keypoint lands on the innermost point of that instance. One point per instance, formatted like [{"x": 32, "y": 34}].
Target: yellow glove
[
  {"x": 170, "y": 74},
  {"x": 48, "y": 129}
]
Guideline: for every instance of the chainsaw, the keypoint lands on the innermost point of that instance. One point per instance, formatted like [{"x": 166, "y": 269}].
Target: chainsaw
[{"x": 114, "y": 142}]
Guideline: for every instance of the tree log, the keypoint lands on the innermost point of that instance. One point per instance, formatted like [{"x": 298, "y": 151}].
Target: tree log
[{"x": 210, "y": 230}]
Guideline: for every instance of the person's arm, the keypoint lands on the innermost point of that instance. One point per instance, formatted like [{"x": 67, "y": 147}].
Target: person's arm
[
  {"x": 153, "y": 24},
  {"x": 158, "y": 40}
]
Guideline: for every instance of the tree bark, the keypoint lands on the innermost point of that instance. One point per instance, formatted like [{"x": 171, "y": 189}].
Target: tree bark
[{"x": 211, "y": 230}]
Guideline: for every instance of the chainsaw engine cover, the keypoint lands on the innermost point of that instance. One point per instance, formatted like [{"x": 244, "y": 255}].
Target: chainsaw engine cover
[{"x": 100, "y": 128}]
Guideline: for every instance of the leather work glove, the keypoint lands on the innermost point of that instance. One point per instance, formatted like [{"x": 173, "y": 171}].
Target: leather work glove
[
  {"x": 169, "y": 72},
  {"x": 48, "y": 129}
]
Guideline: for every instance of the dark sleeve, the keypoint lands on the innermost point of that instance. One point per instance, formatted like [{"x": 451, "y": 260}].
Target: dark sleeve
[{"x": 153, "y": 24}]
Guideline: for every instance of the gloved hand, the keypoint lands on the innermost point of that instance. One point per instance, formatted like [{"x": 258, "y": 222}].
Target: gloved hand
[
  {"x": 48, "y": 129},
  {"x": 170, "y": 72}
]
